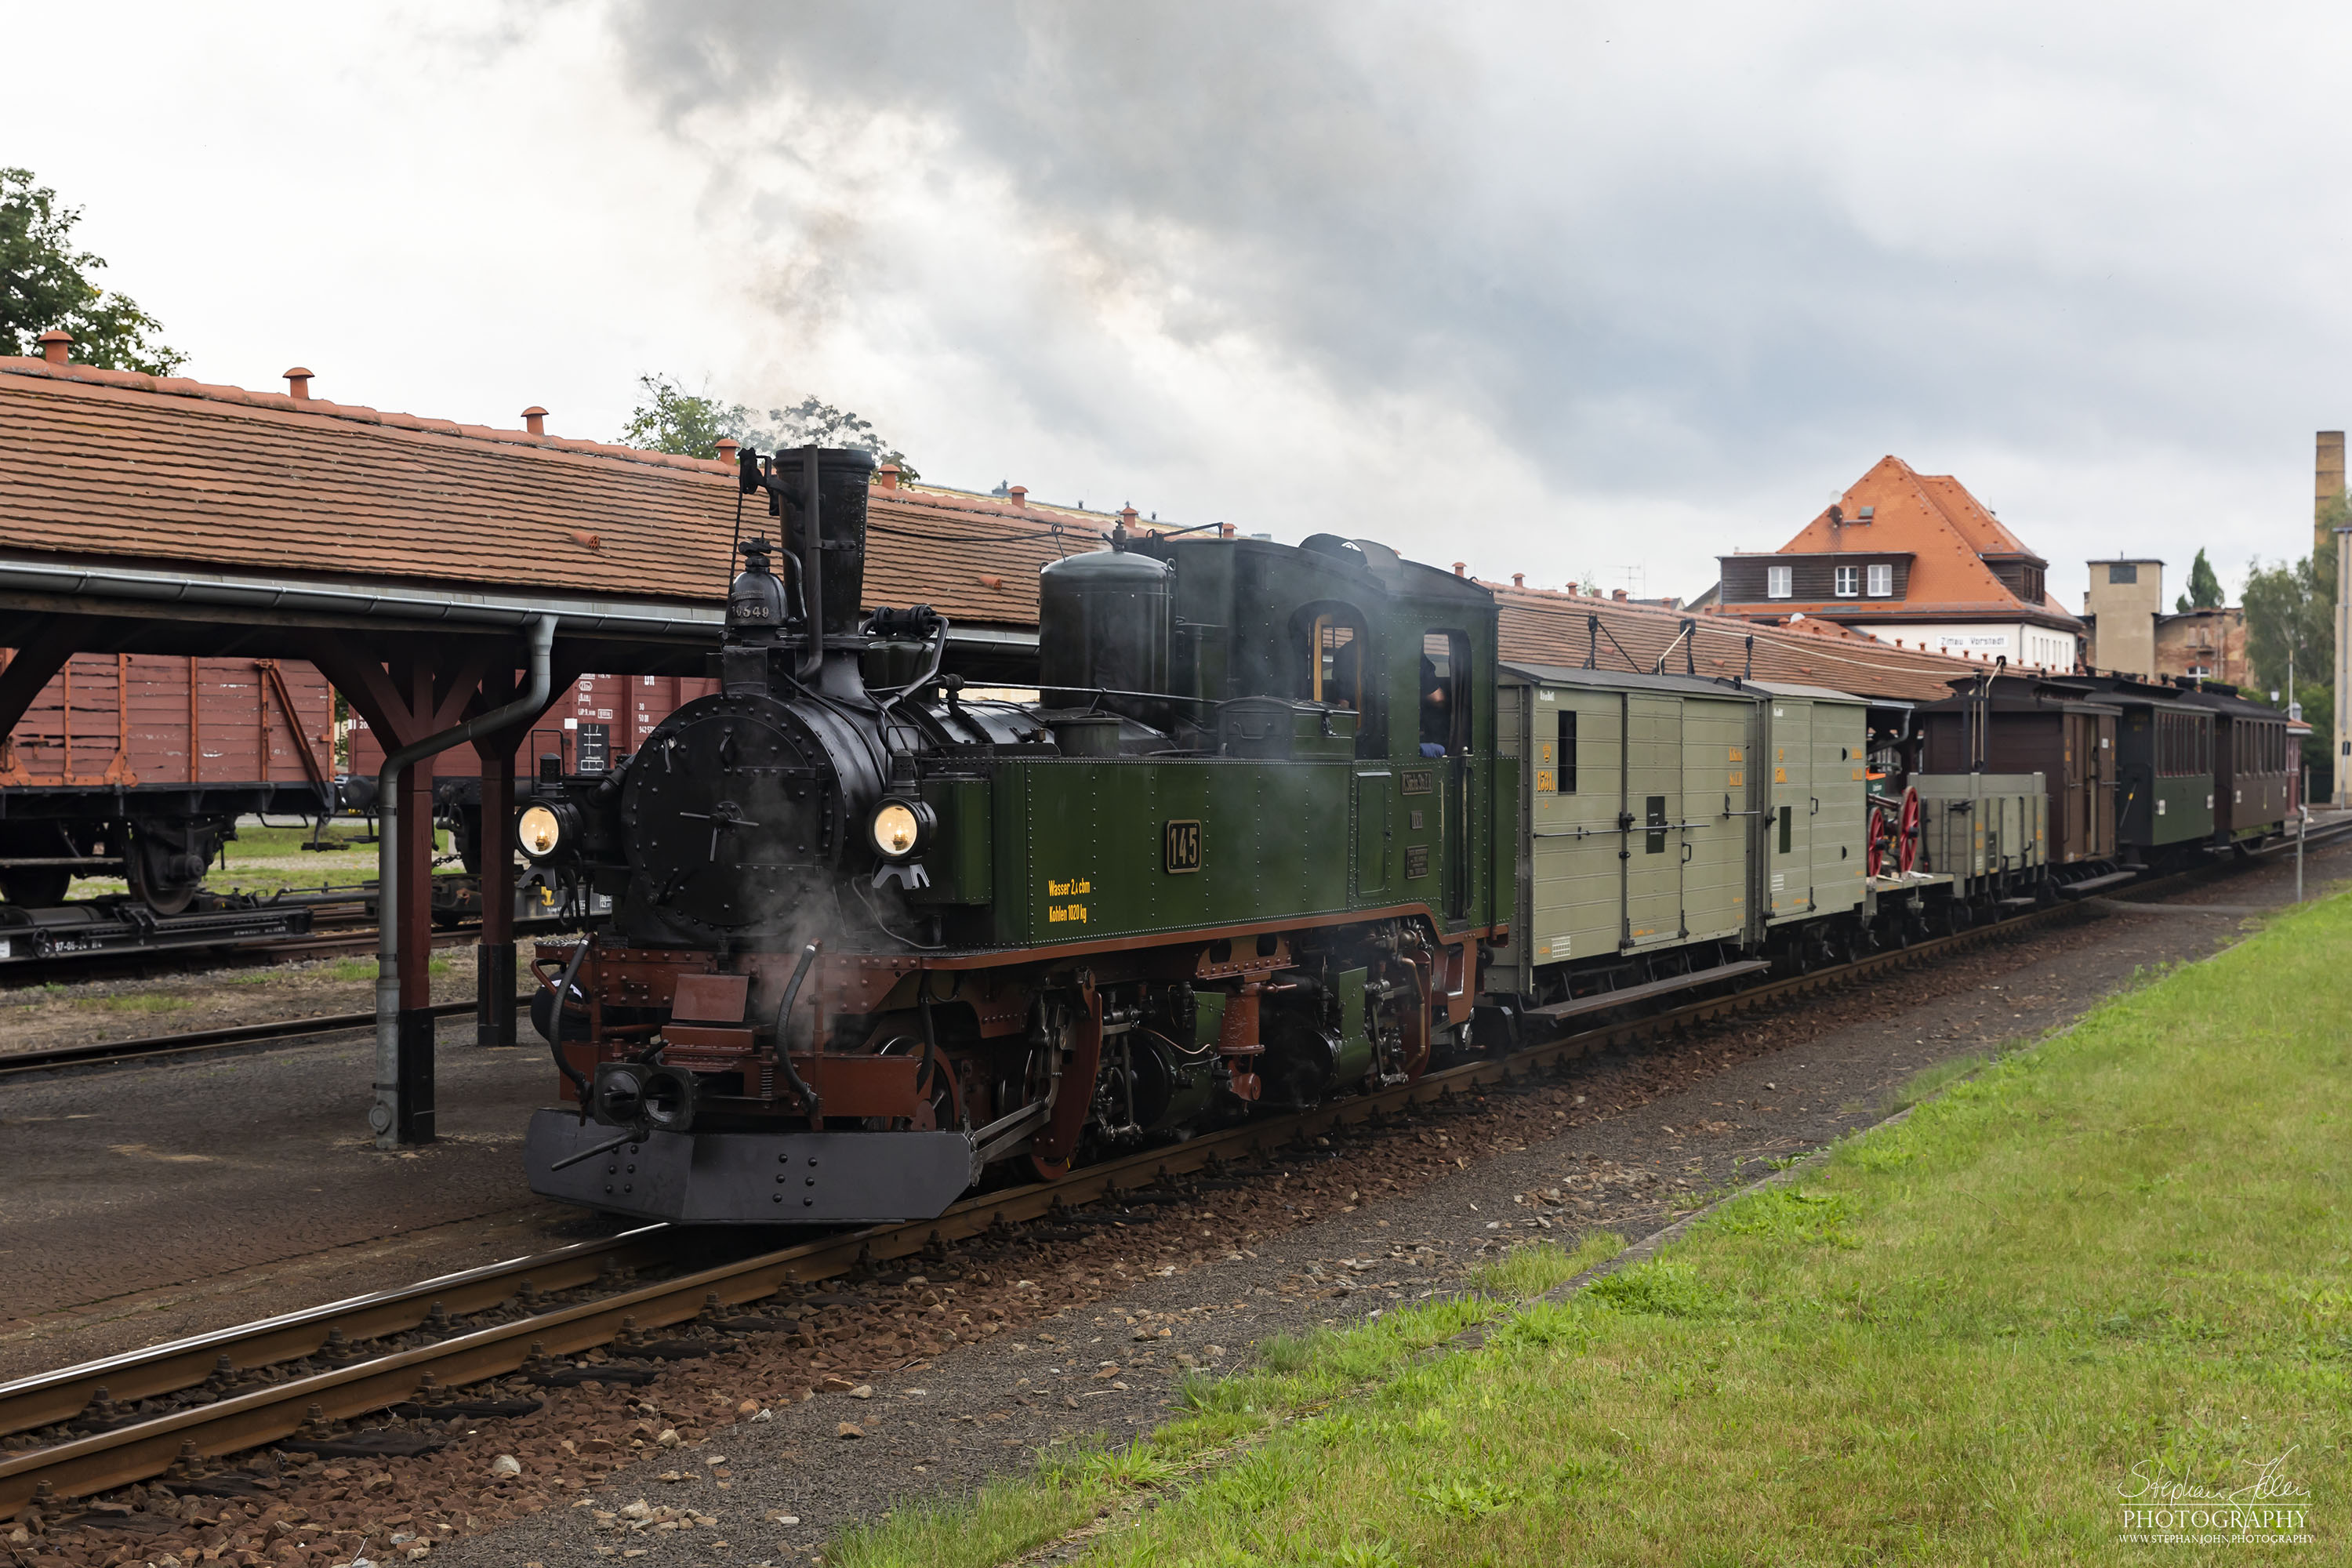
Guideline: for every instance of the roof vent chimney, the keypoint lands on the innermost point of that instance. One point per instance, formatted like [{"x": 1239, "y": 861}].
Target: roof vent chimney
[
  {"x": 727, "y": 447},
  {"x": 1126, "y": 517},
  {"x": 1518, "y": 579},
  {"x": 1019, "y": 494},
  {"x": 54, "y": 345},
  {"x": 1225, "y": 530},
  {"x": 1458, "y": 567},
  {"x": 534, "y": 420},
  {"x": 1618, "y": 594},
  {"x": 298, "y": 384},
  {"x": 889, "y": 475}
]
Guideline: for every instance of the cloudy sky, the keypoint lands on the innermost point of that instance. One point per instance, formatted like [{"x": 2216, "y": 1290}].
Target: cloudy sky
[{"x": 1591, "y": 290}]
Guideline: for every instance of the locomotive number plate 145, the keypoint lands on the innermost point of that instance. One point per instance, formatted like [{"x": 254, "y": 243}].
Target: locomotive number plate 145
[{"x": 1183, "y": 842}]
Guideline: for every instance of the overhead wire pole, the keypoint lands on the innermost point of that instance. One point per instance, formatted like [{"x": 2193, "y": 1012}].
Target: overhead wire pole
[{"x": 2343, "y": 758}]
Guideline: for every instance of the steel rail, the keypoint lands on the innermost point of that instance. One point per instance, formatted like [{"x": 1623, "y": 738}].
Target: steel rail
[
  {"x": 152, "y": 1046},
  {"x": 103, "y": 1461},
  {"x": 53, "y": 1397},
  {"x": 339, "y": 938}
]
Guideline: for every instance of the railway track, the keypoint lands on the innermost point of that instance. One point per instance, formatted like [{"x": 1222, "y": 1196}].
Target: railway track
[
  {"x": 247, "y": 1387},
  {"x": 156, "y": 1048},
  {"x": 336, "y": 937}
]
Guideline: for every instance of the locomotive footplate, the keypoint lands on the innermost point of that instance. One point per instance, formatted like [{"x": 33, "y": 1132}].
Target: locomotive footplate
[{"x": 750, "y": 1178}]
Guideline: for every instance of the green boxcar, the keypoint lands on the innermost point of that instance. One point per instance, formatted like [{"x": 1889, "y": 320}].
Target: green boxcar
[
  {"x": 1674, "y": 824},
  {"x": 1816, "y": 802},
  {"x": 1636, "y": 835}
]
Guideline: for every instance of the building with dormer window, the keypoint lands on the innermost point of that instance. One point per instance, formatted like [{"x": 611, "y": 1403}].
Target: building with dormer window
[{"x": 1912, "y": 559}]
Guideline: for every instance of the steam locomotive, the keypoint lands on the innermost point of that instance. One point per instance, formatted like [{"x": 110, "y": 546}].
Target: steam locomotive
[
  {"x": 850, "y": 901},
  {"x": 1281, "y": 827}
]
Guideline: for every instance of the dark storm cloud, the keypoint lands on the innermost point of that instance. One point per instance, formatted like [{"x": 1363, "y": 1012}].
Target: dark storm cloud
[{"x": 1631, "y": 242}]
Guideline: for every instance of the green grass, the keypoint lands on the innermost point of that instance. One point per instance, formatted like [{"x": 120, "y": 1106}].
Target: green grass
[
  {"x": 145, "y": 1002},
  {"x": 1531, "y": 1271},
  {"x": 359, "y": 969},
  {"x": 263, "y": 859},
  {"x": 2120, "y": 1254}
]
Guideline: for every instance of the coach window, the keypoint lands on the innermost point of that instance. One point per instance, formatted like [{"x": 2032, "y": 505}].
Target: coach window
[
  {"x": 1564, "y": 775},
  {"x": 1444, "y": 694}
]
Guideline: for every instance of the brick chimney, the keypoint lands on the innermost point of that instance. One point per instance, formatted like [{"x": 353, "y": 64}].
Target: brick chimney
[
  {"x": 1127, "y": 516},
  {"x": 1518, "y": 579},
  {"x": 1461, "y": 568},
  {"x": 1225, "y": 530},
  {"x": 298, "y": 384},
  {"x": 2327, "y": 483},
  {"x": 728, "y": 448},
  {"x": 1019, "y": 495},
  {"x": 1618, "y": 594},
  {"x": 887, "y": 476},
  {"x": 534, "y": 420},
  {"x": 54, "y": 345}
]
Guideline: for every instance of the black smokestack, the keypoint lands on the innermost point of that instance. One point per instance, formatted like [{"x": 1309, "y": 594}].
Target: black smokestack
[{"x": 836, "y": 568}]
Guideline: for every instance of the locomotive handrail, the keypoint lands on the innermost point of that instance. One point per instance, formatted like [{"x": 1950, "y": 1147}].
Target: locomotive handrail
[{"x": 783, "y": 1040}]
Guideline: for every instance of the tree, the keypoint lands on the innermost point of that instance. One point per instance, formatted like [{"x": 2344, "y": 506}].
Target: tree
[
  {"x": 2292, "y": 609},
  {"x": 2204, "y": 587},
  {"x": 671, "y": 419},
  {"x": 45, "y": 282},
  {"x": 668, "y": 418}
]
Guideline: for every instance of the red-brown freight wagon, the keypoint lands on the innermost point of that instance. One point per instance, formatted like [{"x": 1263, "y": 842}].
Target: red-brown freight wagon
[
  {"x": 138, "y": 765},
  {"x": 600, "y": 720},
  {"x": 592, "y": 726}
]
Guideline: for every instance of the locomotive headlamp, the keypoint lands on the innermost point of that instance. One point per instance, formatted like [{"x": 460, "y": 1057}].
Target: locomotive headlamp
[
  {"x": 620, "y": 1094},
  {"x": 669, "y": 1098},
  {"x": 629, "y": 1095},
  {"x": 900, "y": 829},
  {"x": 540, "y": 831}
]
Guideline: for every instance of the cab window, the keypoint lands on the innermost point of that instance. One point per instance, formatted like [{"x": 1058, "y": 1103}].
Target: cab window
[
  {"x": 1444, "y": 690},
  {"x": 1338, "y": 663}
]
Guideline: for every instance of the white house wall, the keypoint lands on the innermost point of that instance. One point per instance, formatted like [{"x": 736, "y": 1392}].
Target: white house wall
[{"x": 2024, "y": 645}]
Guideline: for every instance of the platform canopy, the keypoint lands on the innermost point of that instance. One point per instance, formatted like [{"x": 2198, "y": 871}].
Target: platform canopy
[
  {"x": 172, "y": 511},
  {"x": 408, "y": 559}
]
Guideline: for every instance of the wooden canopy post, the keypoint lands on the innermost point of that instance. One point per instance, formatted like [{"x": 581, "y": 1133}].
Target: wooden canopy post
[
  {"x": 405, "y": 692},
  {"x": 494, "y": 960}
]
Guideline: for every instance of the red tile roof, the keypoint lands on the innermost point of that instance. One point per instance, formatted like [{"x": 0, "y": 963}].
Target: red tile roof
[
  {"x": 97, "y": 464},
  {"x": 1946, "y": 531},
  {"x": 1544, "y": 626}
]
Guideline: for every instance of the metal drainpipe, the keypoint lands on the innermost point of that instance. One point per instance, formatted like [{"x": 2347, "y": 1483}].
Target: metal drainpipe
[{"x": 384, "y": 1115}]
